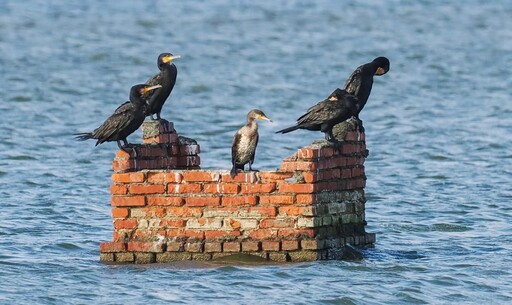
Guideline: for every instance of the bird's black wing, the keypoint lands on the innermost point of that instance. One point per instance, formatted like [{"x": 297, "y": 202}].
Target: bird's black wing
[
  {"x": 155, "y": 80},
  {"x": 116, "y": 122},
  {"x": 353, "y": 83},
  {"x": 251, "y": 159},
  {"x": 234, "y": 147}
]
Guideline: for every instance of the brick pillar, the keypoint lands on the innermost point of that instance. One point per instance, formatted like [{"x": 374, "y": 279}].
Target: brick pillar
[{"x": 164, "y": 208}]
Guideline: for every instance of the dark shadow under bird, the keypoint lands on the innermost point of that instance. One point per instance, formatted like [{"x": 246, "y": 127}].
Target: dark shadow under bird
[
  {"x": 166, "y": 78},
  {"x": 126, "y": 119},
  {"x": 360, "y": 82},
  {"x": 245, "y": 141},
  {"x": 338, "y": 107}
]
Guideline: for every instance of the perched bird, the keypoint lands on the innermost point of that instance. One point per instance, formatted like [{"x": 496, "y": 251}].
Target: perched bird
[
  {"x": 361, "y": 80},
  {"x": 124, "y": 121},
  {"x": 245, "y": 141},
  {"x": 338, "y": 107},
  {"x": 166, "y": 78}
]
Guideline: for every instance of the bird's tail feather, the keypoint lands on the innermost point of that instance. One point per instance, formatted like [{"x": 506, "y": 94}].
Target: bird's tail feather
[
  {"x": 233, "y": 172},
  {"x": 286, "y": 130},
  {"x": 83, "y": 136}
]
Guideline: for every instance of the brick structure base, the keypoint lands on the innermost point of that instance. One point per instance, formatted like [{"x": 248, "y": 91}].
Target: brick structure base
[{"x": 165, "y": 208}]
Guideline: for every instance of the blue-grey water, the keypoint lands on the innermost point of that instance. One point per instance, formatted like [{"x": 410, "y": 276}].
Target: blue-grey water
[{"x": 438, "y": 128}]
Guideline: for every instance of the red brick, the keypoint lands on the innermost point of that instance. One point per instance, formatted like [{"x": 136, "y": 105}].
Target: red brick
[
  {"x": 185, "y": 212},
  {"x": 243, "y": 177},
  {"x": 310, "y": 177},
  {"x": 305, "y": 199},
  {"x": 290, "y": 245},
  {"x": 308, "y": 153},
  {"x": 297, "y": 188},
  {"x": 327, "y": 152},
  {"x": 164, "y": 177},
  {"x": 128, "y": 177},
  {"x": 299, "y": 166},
  {"x": 147, "y": 189},
  {"x": 138, "y": 246},
  {"x": 121, "y": 154},
  {"x": 200, "y": 176},
  {"x": 165, "y": 201},
  {"x": 122, "y": 165},
  {"x": 107, "y": 247},
  {"x": 271, "y": 245},
  {"x": 346, "y": 173},
  {"x": 348, "y": 149},
  {"x": 221, "y": 234},
  {"x": 296, "y": 233},
  {"x": 276, "y": 199},
  {"x": 130, "y": 223},
  {"x": 231, "y": 246},
  {"x": 239, "y": 200},
  {"x": 128, "y": 201},
  {"x": 263, "y": 234},
  {"x": 184, "y": 188},
  {"x": 263, "y": 211},
  {"x": 119, "y": 236},
  {"x": 251, "y": 246},
  {"x": 277, "y": 223},
  {"x": 202, "y": 201},
  {"x": 194, "y": 234},
  {"x": 291, "y": 210},
  {"x": 221, "y": 188},
  {"x": 120, "y": 213},
  {"x": 258, "y": 188},
  {"x": 152, "y": 151},
  {"x": 275, "y": 176},
  {"x": 173, "y": 223},
  {"x": 119, "y": 189}
]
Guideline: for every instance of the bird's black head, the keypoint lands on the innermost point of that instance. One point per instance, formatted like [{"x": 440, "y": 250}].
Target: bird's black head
[
  {"x": 381, "y": 65},
  {"x": 137, "y": 91},
  {"x": 257, "y": 114},
  {"x": 166, "y": 58}
]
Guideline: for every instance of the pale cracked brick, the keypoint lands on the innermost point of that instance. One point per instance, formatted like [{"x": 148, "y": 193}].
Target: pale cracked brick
[
  {"x": 204, "y": 223},
  {"x": 138, "y": 213},
  {"x": 309, "y": 222},
  {"x": 143, "y": 223}
]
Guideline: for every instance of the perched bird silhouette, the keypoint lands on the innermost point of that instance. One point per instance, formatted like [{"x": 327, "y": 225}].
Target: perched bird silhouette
[
  {"x": 124, "y": 121},
  {"x": 245, "y": 141},
  {"x": 360, "y": 82},
  {"x": 166, "y": 78},
  {"x": 338, "y": 107}
]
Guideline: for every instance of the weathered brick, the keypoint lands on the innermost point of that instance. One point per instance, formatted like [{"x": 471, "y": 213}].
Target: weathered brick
[
  {"x": 173, "y": 223},
  {"x": 200, "y": 176},
  {"x": 164, "y": 177},
  {"x": 250, "y": 246},
  {"x": 139, "y": 189},
  {"x": 204, "y": 223},
  {"x": 165, "y": 201},
  {"x": 241, "y": 223},
  {"x": 128, "y": 177},
  {"x": 258, "y": 188},
  {"x": 192, "y": 188},
  {"x": 299, "y": 166},
  {"x": 167, "y": 257},
  {"x": 278, "y": 257},
  {"x": 303, "y": 256},
  {"x": 184, "y": 212},
  {"x": 212, "y": 246},
  {"x": 130, "y": 223},
  {"x": 277, "y": 223},
  {"x": 232, "y": 246},
  {"x": 202, "y": 201},
  {"x": 112, "y": 247},
  {"x": 118, "y": 189},
  {"x": 189, "y": 150},
  {"x": 221, "y": 188},
  {"x": 291, "y": 210},
  {"x": 220, "y": 211},
  {"x": 275, "y": 199},
  {"x": 305, "y": 188},
  {"x": 271, "y": 245},
  {"x": 312, "y": 244},
  {"x": 144, "y": 258},
  {"x": 122, "y": 165},
  {"x": 175, "y": 246},
  {"x": 138, "y": 246},
  {"x": 194, "y": 247},
  {"x": 296, "y": 233},
  {"x": 258, "y": 212},
  {"x": 305, "y": 199},
  {"x": 127, "y": 201},
  {"x": 263, "y": 234},
  {"x": 124, "y": 257},
  {"x": 241, "y": 177},
  {"x": 290, "y": 245},
  {"x": 239, "y": 200},
  {"x": 310, "y": 177},
  {"x": 308, "y": 153},
  {"x": 189, "y": 161},
  {"x": 120, "y": 213},
  {"x": 221, "y": 234},
  {"x": 275, "y": 176}
]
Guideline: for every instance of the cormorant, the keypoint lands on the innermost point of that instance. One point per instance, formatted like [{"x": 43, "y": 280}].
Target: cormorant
[
  {"x": 124, "y": 121},
  {"x": 245, "y": 141},
  {"x": 166, "y": 78},
  {"x": 338, "y": 107},
  {"x": 361, "y": 80}
]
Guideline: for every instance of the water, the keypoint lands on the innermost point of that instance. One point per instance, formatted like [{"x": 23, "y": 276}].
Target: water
[{"x": 438, "y": 129}]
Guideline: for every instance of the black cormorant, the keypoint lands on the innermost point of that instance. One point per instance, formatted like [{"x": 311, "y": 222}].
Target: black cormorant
[
  {"x": 338, "y": 107},
  {"x": 124, "y": 121},
  {"x": 245, "y": 141},
  {"x": 166, "y": 78},
  {"x": 361, "y": 80}
]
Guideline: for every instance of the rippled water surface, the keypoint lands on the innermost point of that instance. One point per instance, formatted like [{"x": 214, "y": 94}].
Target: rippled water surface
[{"x": 438, "y": 129}]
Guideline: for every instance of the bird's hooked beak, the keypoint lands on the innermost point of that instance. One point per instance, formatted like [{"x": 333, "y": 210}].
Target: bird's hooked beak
[
  {"x": 146, "y": 89},
  {"x": 169, "y": 58},
  {"x": 380, "y": 71},
  {"x": 264, "y": 118}
]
